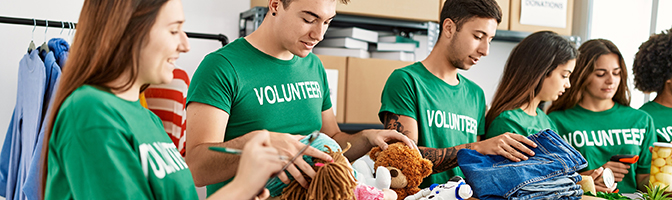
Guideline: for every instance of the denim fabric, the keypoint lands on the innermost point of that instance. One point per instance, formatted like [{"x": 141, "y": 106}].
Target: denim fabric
[
  {"x": 553, "y": 158},
  {"x": 557, "y": 188}
]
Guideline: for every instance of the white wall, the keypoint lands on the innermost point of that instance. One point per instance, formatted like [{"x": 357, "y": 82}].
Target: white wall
[
  {"x": 627, "y": 24},
  {"x": 203, "y": 16},
  {"x": 489, "y": 69}
]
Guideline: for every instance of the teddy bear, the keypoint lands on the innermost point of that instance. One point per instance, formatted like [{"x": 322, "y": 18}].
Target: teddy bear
[{"x": 407, "y": 167}]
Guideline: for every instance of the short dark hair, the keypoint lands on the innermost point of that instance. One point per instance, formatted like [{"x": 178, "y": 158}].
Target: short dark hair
[
  {"x": 285, "y": 3},
  {"x": 653, "y": 63},
  {"x": 460, "y": 11}
]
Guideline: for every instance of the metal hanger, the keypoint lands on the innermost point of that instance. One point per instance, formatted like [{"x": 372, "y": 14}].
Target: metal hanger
[
  {"x": 45, "y": 48},
  {"x": 31, "y": 46}
]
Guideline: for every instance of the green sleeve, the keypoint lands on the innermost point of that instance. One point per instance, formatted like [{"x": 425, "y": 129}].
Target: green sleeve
[
  {"x": 481, "y": 120},
  {"x": 399, "y": 96},
  {"x": 326, "y": 98},
  {"x": 214, "y": 83},
  {"x": 556, "y": 123},
  {"x": 644, "y": 163},
  {"x": 99, "y": 160},
  {"x": 500, "y": 125}
]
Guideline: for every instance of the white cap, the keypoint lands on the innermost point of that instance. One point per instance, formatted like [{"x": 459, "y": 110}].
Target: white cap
[{"x": 608, "y": 178}]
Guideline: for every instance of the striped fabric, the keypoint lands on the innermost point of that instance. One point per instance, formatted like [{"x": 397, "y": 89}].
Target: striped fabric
[{"x": 168, "y": 102}]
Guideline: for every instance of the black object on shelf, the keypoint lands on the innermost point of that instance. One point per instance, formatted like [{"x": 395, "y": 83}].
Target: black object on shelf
[
  {"x": 354, "y": 128},
  {"x": 71, "y": 25}
]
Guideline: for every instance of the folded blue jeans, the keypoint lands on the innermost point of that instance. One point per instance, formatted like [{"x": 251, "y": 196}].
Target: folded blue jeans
[
  {"x": 562, "y": 187},
  {"x": 494, "y": 175}
]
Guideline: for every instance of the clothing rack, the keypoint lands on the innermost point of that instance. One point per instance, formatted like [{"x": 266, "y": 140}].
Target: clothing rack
[{"x": 71, "y": 25}]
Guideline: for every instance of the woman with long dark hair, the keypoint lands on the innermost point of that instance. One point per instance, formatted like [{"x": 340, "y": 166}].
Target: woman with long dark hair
[
  {"x": 537, "y": 70},
  {"x": 101, "y": 143},
  {"x": 596, "y": 119}
]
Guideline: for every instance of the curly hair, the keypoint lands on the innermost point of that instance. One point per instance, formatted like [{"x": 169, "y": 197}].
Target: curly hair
[{"x": 653, "y": 63}]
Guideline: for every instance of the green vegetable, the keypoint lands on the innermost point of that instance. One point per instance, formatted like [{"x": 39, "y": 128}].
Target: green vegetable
[
  {"x": 656, "y": 193},
  {"x": 610, "y": 196}
]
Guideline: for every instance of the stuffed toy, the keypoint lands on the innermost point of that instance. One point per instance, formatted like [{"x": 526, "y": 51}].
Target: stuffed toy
[
  {"x": 372, "y": 188},
  {"x": 454, "y": 189},
  {"x": 333, "y": 180},
  {"x": 407, "y": 167}
]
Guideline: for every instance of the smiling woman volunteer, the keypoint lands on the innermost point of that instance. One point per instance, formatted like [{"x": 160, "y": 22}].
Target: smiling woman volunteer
[
  {"x": 537, "y": 70},
  {"x": 595, "y": 117},
  {"x": 101, "y": 143}
]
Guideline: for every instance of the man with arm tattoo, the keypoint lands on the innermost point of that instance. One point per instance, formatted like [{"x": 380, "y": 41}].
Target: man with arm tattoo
[{"x": 438, "y": 108}]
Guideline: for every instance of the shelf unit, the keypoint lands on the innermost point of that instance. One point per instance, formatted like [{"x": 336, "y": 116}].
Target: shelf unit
[{"x": 252, "y": 18}]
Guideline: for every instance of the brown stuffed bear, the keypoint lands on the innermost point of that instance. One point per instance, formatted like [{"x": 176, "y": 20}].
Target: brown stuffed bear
[{"x": 406, "y": 165}]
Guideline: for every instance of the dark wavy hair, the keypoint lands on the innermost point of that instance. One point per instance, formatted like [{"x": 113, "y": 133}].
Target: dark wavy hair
[{"x": 653, "y": 63}]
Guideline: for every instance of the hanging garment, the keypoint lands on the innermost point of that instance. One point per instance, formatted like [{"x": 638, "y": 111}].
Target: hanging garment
[
  {"x": 168, "y": 101},
  {"x": 59, "y": 47},
  {"x": 23, "y": 130}
]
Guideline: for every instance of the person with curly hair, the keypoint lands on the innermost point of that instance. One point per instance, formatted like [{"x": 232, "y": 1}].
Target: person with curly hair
[{"x": 653, "y": 73}]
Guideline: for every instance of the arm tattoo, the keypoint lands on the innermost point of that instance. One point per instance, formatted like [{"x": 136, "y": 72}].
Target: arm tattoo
[
  {"x": 391, "y": 121},
  {"x": 443, "y": 158}
]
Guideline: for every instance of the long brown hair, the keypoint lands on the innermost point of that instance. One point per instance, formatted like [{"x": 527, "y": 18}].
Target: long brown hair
[
  {"x": 530, "y": 62},
  {"x": 110, "y": 34},
  {"x": 590, "y": 51}
]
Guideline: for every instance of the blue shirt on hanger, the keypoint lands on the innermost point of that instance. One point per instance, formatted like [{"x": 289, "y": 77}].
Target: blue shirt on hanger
[
  {"x": 53, "y": 73},
  {"x": 22, "y": 133}
]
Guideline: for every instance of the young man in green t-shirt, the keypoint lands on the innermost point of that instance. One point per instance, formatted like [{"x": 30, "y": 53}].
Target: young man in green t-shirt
[
  {"x": 653, "y": 73},
  {"x": 268, "y": 80},
  {"x": 439, "y": 108}
]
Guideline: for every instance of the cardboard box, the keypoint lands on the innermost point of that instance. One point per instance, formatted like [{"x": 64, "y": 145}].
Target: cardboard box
[
  {"x": 503, "y": 4},
  {"x": 416, "y": 10},
  {"x": 365, "y": 82},
  {"x": 337, "y": 63},
  {"x": 516, "y": 26}
]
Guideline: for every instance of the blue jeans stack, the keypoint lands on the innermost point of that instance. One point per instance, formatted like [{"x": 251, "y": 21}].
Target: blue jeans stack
[{"x": 550, "y": 174}]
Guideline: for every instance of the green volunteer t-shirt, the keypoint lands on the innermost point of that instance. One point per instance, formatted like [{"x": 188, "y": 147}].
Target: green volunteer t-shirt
[
  {"x": 518, "y": 121},
  {"x": 104, "y": 147},
  {"x": 662, "y": 117},
  {"x": 259, "y": 91},
  {"x": 600, "y": 135},
  {"x": 447, "y": 115}
]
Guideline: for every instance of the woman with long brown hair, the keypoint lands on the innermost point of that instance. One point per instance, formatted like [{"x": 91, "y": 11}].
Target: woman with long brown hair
[
  {"x": 596, "y": 119},
  {"x": 537, "y": 70},
  {"x": 101, "y": 143}
]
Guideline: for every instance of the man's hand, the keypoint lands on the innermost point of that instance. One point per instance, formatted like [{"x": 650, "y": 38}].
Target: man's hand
[
  {"x": 289, "y": 145},
  {"x": 508, "y": 145},
  {"x": 381, "y": 138}
]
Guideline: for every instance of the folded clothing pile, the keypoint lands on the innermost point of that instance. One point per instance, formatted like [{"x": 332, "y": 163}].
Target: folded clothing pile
[{"x": 549, "y": 174}]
